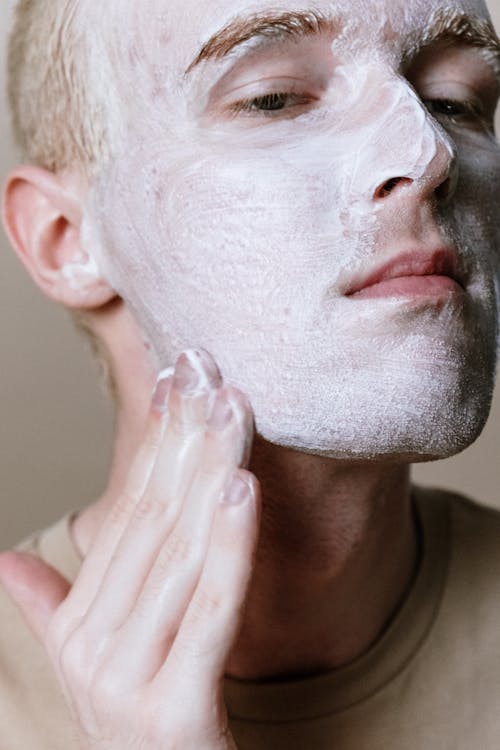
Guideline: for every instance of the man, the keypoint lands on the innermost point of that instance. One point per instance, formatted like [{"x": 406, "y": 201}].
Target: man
[{"x": 306, "y": 195}]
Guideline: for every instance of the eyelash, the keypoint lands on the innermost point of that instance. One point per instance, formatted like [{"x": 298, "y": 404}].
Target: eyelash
[
  {"x": 270, "y": 105},
  {"x": 454, "y": 108}
]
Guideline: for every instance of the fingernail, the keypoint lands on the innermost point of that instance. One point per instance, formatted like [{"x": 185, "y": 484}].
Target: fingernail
[
  {"x": 219, "y": 411},
  {"x": 162, "y": 389},
  {"x": 195, "y": 371},
  {"x": 237, "y": 492}
]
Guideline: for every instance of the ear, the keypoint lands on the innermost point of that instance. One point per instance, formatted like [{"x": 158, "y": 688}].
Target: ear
[{"x": 42, "y": 216}]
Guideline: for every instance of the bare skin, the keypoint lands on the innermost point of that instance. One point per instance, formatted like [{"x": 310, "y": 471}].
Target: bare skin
[
  {"x": 336, "y": 540},
  {"x": 152, "y": 622},
  {"x": 146, "y": 628},
  {"x": 190, "y": 588}
]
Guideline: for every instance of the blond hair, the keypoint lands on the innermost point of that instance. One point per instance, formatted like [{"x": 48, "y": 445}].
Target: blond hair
[{"x": 58, "y": 117}]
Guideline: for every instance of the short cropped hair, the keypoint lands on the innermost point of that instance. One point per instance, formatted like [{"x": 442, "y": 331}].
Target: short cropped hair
[
  {"x": 58, "y": 116},
  {"x": 58, "y": 107}
]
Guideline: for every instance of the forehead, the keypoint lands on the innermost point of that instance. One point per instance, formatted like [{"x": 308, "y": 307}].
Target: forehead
[
  {"x": 150, "y": 44},
  {"x": 188, "y": 24}
]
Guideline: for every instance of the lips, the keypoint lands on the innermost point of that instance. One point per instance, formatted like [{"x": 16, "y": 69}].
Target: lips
[{"x": 415, "y": 273}]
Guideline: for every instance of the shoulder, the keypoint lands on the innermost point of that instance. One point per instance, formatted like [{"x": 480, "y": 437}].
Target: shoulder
[
  {"x": 470, "y": 537},
  {"x": 55, "y": 546},
  {"x": 473, "y": 527},
  {"x": 18, "y": 648},
  {"x": 28, "y": 687},
  {"x": 16, "y": 641},
  {"x": 470, "y": 529},
  {"x": 469, "y": 519}
]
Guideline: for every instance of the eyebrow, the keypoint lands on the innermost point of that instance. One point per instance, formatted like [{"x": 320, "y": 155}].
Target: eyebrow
[
  {"x": 455, "y": 26},
  {"x": 445, "y": 25},
  {"x": 261, "y": 26}
]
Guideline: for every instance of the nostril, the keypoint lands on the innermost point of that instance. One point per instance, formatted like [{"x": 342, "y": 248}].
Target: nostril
[{"x": 388, "y": 187}]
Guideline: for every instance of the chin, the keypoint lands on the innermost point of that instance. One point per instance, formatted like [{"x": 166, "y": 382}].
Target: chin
[{"x": 438, "y": 433}]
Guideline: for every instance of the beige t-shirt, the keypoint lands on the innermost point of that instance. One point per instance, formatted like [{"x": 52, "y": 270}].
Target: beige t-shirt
[{"x": 432, "y": 682}]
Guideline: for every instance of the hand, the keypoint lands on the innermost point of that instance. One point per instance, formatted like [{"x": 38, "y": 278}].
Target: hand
[{"x": 140, "y": 642}]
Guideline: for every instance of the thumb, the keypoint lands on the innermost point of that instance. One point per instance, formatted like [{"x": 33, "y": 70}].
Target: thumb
[{"x": 35, "y": 587}]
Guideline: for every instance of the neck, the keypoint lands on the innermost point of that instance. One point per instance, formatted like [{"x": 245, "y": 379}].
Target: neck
[{"x": 336, "y": 555}]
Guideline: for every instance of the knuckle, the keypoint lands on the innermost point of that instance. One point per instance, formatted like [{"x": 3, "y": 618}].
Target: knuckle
[
  {"x": 211, "y": 471},
  {"x": 108, "y": 689},
  {"x": 203, "y": 606},
  {"x": 54, "y": 637},
  {"x": 59, "y": 631},
  {"x": 177, "y": 550},
  {"x": 148, "y": 509},
  {"x": 205, "y": 628},
  {"x": 75, "y": 660},
  {"x": 121, "y": 508}
]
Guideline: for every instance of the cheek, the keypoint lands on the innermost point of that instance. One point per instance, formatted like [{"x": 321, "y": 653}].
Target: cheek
[
  {"x": 476, "y": 206},
  {"x": 256, "y": 233}
]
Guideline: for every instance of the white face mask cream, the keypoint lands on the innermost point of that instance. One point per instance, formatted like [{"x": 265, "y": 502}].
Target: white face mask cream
[{"x": 248, "y": 202}]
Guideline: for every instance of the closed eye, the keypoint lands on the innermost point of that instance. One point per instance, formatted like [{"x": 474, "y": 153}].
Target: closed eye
[
  {"x": 470, "y": 114},
  {"x": 269, "y": 104},
  {"x": 453, "y": 108}
]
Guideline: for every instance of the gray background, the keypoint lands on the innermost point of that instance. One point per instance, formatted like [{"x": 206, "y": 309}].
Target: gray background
[{"x": 56, "y": 424}]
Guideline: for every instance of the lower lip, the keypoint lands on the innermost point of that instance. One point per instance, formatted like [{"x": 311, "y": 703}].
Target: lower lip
[{"x": 410, "y": 286}]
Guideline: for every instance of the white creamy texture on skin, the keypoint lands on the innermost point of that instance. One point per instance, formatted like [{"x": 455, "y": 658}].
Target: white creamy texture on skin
[
  {"x": 81, "y": 273},
  {"x": 240, "y": 236}
]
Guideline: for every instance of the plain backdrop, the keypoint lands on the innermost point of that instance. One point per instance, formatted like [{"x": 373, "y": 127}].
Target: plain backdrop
[{"x": 56, "y": 424}]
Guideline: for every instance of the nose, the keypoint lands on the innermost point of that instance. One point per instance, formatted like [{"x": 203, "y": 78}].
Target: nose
[
  {"x": 417, "y": 157},
  {"x": 438, "y": 180}
]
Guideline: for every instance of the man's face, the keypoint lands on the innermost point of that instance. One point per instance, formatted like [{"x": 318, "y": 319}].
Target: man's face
[{"x": 253, "y": 203}]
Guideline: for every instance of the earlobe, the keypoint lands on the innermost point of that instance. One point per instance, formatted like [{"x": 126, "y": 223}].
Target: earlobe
[{"x": 42, "y": 217}]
